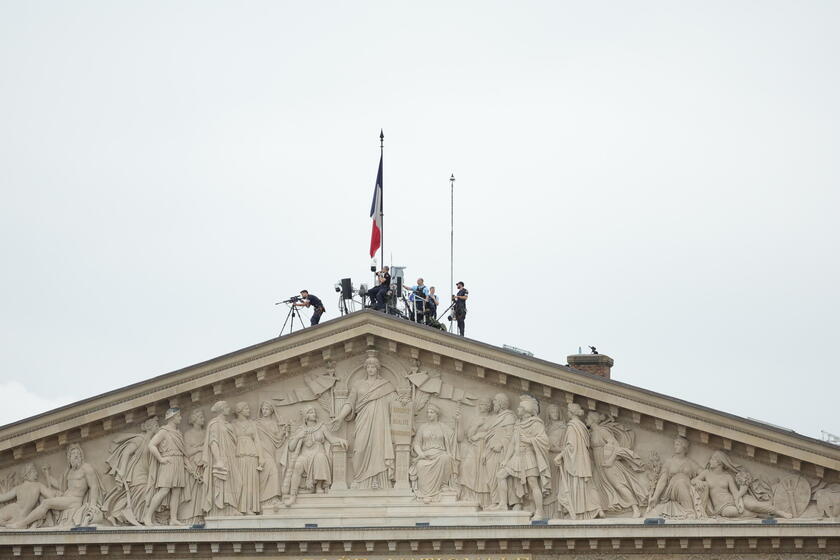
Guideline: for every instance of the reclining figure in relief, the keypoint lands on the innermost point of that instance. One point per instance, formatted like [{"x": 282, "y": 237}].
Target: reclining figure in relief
[
  {"x": 728, "y": 490},
  {"x": 78, "y": 501}
]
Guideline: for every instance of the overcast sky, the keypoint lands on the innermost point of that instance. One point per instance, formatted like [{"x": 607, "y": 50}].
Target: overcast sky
[{"x": 657, "y": 179}]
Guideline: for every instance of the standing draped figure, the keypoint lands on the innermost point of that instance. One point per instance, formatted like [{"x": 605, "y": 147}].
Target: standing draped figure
[
  {"x": 619, "y": 471},
  {"x": 373, "y": 448},
  {"x": 525, "y": 468},
  {"x": 474, "y": 487},
  {"x": 556, "y": 430},
  {"x": 190, "y": 510},
  {"x": 577, "y": 494},
  {"x": 272, "y": 435},
  {"x": 129, "y": 463},
  {"x": 249, "y": 458},
  {"x": 496, "y": 439},
  {"x": 222, "y": 483}
]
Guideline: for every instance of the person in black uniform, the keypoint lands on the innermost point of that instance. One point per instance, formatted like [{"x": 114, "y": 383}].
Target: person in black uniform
[
  {"x": 460, "y": 300},
  {"x": 377, "y": 293},
  {"x": 311, "y": 300}
]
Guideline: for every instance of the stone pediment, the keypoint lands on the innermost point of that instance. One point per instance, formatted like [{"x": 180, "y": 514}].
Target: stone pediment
[{"x": 304, "y": 382}]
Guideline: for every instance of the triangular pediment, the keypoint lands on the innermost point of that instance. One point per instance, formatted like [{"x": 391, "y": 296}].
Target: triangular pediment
[{"x": 450, "y": 371}]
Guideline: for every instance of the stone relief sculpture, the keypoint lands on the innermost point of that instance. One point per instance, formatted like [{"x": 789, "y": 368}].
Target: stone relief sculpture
[
  {"x": 577, "y": 493},
  {"x": 249, "y": 466},
  {"x": 722, "y": 495},
  {"x": 434, "y": 467},
  {"x": 78, "y": 501},
  {"x": 524, "y": 468},
  {"x": 673, "y": 495},
  {"x": 317, "y": 386},
  {"x": 310, "y": 457},
  {"x": 619, "y": 472},
  {"x": 190, "y": 510},
  {"x": 424, "y": 384},
  {"x": 222, "y": 486},
  {"x": 272, "y": 436},
  {"x": 26, "y": 496},
  {"x": 793, "y": 493},
  {"x": 249, "y": 459},
  {"x": 369, "y": 405},
  {"x": 827, "y": 498},
  {"x": 168, "y": 473},
  {"x": 556, "y": 431},
  {"x": 129, "y": 463},
  {"x": 498, "y": 434},
  {"x": 474, "y": 486}
]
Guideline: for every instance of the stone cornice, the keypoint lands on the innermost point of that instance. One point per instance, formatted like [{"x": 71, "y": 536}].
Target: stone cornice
[{"x": 612, "y": 537}]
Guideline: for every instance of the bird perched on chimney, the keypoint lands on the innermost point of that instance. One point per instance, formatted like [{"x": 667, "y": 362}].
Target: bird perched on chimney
[{"x": 594, "y": 351}]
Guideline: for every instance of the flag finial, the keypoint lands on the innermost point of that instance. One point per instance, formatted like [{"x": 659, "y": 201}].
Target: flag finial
[{"x": 381, "y": 138}]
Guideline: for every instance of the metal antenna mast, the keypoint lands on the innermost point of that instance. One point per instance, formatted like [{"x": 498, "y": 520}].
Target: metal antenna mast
[
  {"x": 382, "y": 199},
  {"x": 451, "y": 240}
]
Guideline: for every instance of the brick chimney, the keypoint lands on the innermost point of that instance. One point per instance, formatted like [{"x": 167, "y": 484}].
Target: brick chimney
[{"x": 599, "y": 364}]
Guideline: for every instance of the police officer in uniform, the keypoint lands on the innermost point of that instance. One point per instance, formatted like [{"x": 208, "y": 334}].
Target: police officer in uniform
[
  {"x": 432, "y": 304},
  {"x": 419, "y": 298},
  {"x": 311, "y": 300},
  {"x": 460, "y": 311}
]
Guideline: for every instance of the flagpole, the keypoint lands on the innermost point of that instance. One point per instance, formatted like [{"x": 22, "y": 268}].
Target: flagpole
[
  {"x": 382, "y": 200},
  {"x": 451, "y": 240}
]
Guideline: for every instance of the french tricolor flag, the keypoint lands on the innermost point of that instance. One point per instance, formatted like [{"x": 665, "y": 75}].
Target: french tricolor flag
[{"x": 376, "y": 213}]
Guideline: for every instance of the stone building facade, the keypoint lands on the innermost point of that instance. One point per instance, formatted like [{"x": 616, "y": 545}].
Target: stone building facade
[{"x": 369, "y": 437}]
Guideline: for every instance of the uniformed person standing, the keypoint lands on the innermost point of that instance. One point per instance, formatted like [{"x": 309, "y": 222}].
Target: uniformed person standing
[{"x": 460, "y": 299}]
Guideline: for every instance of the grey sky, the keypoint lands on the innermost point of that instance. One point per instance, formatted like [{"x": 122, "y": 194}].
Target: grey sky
[{"x": 659, "y": 179}]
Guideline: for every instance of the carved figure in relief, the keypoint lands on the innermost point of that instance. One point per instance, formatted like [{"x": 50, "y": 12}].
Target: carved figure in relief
[
  {"x": 474, "y": 486},
  {"x": 78, "y": 501},
  {"x": 525, "y": 467},
  {"x": 618, "y": 470},
  {"x": 222, "y": 482},
  {"x": 129, "y": 463},
  {"x": 673, "y": 489},
  {"x": 577, "y": 495},
  {"x": 249, "y": 458},
  {"x": 310, "y": 457},
  {"x": 498, "y": 434},
  {"x": 272, "y": 436},
  {"x": 722, "y": 495},
  {"x": 827, "y": 498},
  {"x": 168, "y": 471},
  {"x": 373, "y": 448},
  {"x": 190, "y": 509},
  {"x": 434, "y": 467},
  {"x": 556, "y": 431},
  {"x": 26, "y": 496}
]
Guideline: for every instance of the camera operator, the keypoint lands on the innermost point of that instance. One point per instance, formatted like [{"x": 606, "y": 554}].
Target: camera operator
[
  {"x": 419, "y": 298},
  {"x": 377, "y": 293},
  {"x": 311, "y": 300},
  {"x": 460, "y": 311}
]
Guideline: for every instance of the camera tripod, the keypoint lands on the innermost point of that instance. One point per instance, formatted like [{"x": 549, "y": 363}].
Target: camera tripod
[
  {"x": 290, "y": 317},
  {"x": 447, "y": 310}
]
